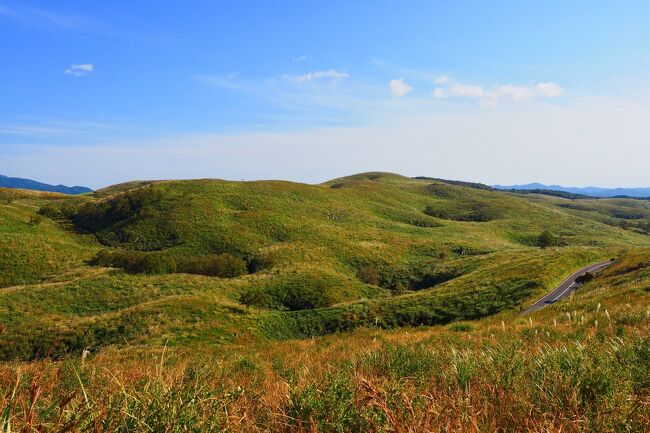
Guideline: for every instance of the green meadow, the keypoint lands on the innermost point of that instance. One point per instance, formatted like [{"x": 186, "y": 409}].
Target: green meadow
[
  {"x": 210, "y": 261},
  {"x": 312, "y": 307}
]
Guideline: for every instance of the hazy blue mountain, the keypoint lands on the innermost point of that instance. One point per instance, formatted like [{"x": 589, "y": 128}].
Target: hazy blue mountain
[
  {"x": 591, "y": 191},
  {"x": 16, "y": 182}
]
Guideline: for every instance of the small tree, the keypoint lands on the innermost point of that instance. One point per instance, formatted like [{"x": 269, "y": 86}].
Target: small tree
[
  {"x": 253, "y": 297},
  {"x": 223, "y": 265},
  {"x": 585, "y": 278},
  {"x": 546, "y": 239},
  {"x": 369, "y": 274},
  {"x": 261, "y": 261}
]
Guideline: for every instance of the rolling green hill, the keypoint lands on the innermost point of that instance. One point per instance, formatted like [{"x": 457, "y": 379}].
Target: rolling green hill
[
  {"x": 630, "y": 214},
  {"x": 580, "y": 365},
  {"x": 370, "y": 249},
  {"x": 34, "y": 248}
]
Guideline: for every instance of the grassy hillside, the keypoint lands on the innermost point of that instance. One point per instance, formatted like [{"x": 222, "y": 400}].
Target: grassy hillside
[
  {"x": 577, "y": 366},
  {"x": 630, "y": 214},
  {"x": 371, "y": 249},
  {"x": 187, "y": 329},
  {"x": 32, "y": 247}
]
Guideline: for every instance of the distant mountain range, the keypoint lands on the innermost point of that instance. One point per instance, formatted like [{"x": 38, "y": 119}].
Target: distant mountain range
[
  {"x": 16, "y": 182},
  {"x": 590, "y": 191}
]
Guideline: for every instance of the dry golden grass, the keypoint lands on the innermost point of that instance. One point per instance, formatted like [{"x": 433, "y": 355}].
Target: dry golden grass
[{"x": 543, "y": 373}]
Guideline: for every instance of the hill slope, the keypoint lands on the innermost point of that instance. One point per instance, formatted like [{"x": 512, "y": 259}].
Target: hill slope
[
  {"x": 370, "y": 249},
  {"x": 34, "y": 248},
  {"x": 580, "y": 365}
]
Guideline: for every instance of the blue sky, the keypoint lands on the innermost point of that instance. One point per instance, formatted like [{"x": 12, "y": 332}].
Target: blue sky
[{"x": 95, "y": 93}]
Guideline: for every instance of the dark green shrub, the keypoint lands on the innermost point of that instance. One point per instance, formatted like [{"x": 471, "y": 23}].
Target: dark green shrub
[
  {"x": 154, "y": 264},
  {"x": 254, "y": 297},
  {"x": 297, "y": 297},
  {"x": 99, "y": 215},
  {"x": 222, "y": 265},
  {"x": 469, "y": 211},
  {"x": 431, "y": 279},
  {"x": 585, "y": 278},
  {"x": 260, "y": 262},
  {"x": 546, "y": 239},
  {"x": 136, "y": 262},
  {"x": 50, "y": 211},
  {"x": 302, "y": 291},
  {"x": 102, "y": 258},
  {"x": 369, "y": 274}
]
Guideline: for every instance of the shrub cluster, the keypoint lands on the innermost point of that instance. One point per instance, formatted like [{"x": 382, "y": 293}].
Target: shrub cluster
[
  {"x": 398, "y": 280},
  {"x": 436, "y": 309},
  {"x": 585, "y": 278},
  {"x": 60, "y": 210},
  {"x": 547, "y": 239},
  {"x": 301, "y": 291},
  {"x": 219, "y": 265},
  {"x": 98, "y": 215},
  {"x": 470, "y": 212}
]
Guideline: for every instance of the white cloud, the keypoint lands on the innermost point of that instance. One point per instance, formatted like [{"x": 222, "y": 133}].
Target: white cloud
[
  {"x": 492, "y": 97},
  {"x": 80, "y": 69},
  {"x": 398, "y": 87},
  {"x": 298, "y": 59},
  {"x": 332, "y": 74},
  {"x": 439, "y": 93},
  {"x": 441, "y": 79},
  {"x": 515, "y": 92},
  {"x": 550, "y": 90},
  {"x": 467, "y": 90}
]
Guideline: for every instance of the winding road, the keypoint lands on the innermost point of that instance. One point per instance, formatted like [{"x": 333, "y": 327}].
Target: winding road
[{"x": 567, "y": 286}]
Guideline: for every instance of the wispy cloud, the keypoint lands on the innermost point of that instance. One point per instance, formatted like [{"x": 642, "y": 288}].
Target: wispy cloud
[
  {"x": 441, "y": 79},
  {"x": 291, "y": 92},
  {"x": 44, "y": 17},
  {"x": 493, "y": 96},
  {"x": 79, "y": 70},
  {"x": 69, "y": 21},
  {"x": 313, "y": 99},
  {"x": 398, "y": 87},
  {"x": 29, "y": 130},
  {"x": 56, "y": 128},
  {"x": 298, "y": 59},
  {"x": 333, "y": 75}
]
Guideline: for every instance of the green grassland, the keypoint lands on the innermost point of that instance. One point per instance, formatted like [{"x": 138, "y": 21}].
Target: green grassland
[
  {"x": 34, "y": 248},
  {"x": 630, "y": 214},
  {"x": 374, "y": 249},
  {"x": 580, "y": 365}
]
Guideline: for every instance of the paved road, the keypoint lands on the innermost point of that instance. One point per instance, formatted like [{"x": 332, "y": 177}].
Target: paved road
[{"x": 566, "y": 287}]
